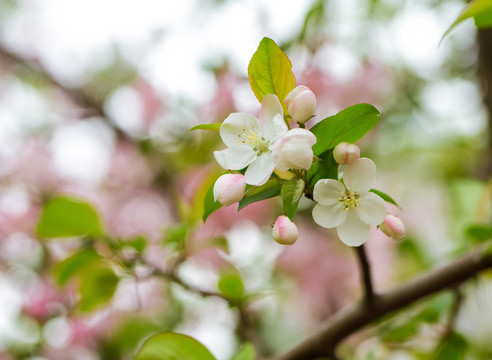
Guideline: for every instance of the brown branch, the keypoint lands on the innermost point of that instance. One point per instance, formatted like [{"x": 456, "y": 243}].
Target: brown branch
[
  {"x": 355, "y": 317},
  {"x": 366, "y": 277}
]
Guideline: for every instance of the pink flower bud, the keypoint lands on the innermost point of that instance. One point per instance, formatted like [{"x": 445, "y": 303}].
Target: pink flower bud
[
  {"x": 284, "y": 231},
  {"x": 344, "y": 153},
  {"x": 229, "y": 189},
  {"x": 301, "y": 104},
  {"x": 393, "y": 227}
]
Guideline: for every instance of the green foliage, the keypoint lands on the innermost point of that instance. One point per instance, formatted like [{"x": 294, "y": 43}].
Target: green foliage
[
  {"x": 97, "y": 287},
  {"x": 350, "y": 125},
  {"x": 138, "y": 243},
  {"x": 211, "y": 127},
  {"x": 75, "y": 264},
  {"x": 480, "y": 10},
  {"x": 172, "y": 346},
  {"x": 268, "y": 190},
  {"x": 68, "y": 216},
  {"x": 452, "y": 347},
  {"x": 209, "y": 204},
  {"x": 270, "y": 71},
  {"x": 325, "y": 168},
  {"x": 479, "y": 233},
  {"x": 291, "y": 193},
  {"x": 246, "y": 352},
  {"x": 384, "y": 196},
  {"x": 231, "y": 284}
]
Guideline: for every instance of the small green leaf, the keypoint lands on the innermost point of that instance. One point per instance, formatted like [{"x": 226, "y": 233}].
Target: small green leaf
[
  {"x": 172, "y": 346},
  {"x": 75, "y": 264},
  {"x": 270, "y": 71},
  {"x": 291, "y": 193},
  {"x": 350, "y": 125},
  {"x": 231, "y": 284},
  {"x": 325, "y": 168},
  {"x": 257, "y": 193},
  {"x": 246, "y": 352},
  {"x": 96, "y": 288},
  {"x": 175, "y": 235},
  {"x": 452, "y": 347},
  {"x": 209, "y": 204},
  {"x": 138, "y": 243},
  {"x": 479, "y": 233},
  {"x": 68, "y": 216},
  {"x": 481, "y": 10},
  {"x": 384, "y": 196},
  {"x": 212, "y": 127}
]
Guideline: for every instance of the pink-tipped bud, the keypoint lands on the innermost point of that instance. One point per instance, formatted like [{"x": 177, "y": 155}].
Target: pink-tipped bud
[
  {"x": 344, "y": 153},
  {"x": 284, "y": 231},
  {"x": 229, "y": 189},
  {"x": 301, "y": 104},
  {"x": 393, "y": 227}
]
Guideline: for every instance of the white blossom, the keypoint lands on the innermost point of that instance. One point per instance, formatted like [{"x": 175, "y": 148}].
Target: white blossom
[{"x": 294, "y": 150}]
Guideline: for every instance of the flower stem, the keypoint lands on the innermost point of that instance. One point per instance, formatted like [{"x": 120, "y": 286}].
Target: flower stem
[{"x": 365, "y": 269}]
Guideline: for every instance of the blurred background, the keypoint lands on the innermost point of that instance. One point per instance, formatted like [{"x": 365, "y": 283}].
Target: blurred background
[{"x": 97, "y": 99}]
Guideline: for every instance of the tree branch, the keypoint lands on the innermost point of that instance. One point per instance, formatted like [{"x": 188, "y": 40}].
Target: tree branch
[
  {"x": 351, "y": 319},
  {"x": 365, "y": 271}
]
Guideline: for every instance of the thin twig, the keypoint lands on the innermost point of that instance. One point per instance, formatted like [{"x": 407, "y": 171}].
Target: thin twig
[{"x": 366, "y": 277}]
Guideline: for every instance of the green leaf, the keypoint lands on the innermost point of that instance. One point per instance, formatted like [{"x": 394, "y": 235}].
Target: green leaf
[
  {"x": 75, "y": 264},
  {"x": 231, "y": 284},
  {"x": 139, "y": 243},
  {"x": 257, "y": 193},
  {"x": 479, "y": 233},
  {"x": 291, "y": 193},
  {"x": 209, "y": 204},
  {"x": 172, "y": 346},
  {"x": 452, "y": 347},
  {"x": 481, "y": 10},
  {"x": 212, "y": 127},
  {"x": 246, "y": 352},
  {"x": 270, "y": 71},
  {"x": 325, "y": 168},
  {"x": 350, "y": 125},
  {"x": 96, "y": 288},
  {"x": 384, "y": 196},
  {"x": 68, "y": 216}
]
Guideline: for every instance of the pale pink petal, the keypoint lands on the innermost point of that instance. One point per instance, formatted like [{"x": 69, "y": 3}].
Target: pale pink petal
[
  {"x": 353, "y": 232},
  {"x": 235, "y": 158},
  {"x": 272, "y": 117},
  {"x": 240, "y": 128},
  {"x": 372, "y": 209},
  {"x": 360, "y": 175},
  {"x": 328, "y": 191},
  {"x": 329, "y": 216},
  {"x": 259, "y": 171}
]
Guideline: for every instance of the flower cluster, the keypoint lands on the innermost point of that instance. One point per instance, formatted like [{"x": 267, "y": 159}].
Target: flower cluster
[{"x": 261, "y": 145}]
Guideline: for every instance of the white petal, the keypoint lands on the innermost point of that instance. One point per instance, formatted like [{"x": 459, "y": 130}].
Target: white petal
[
  {"x": 372, "y": 209},
  {"x": 328, "y": 191},
  {"x": 238, "y": 128},
  {"x": 304, "y": 134},
  {"x": 235, "y": 158},
  {"x": 259, "y": 171},
  {"x": 353, "y": 232},
  {"x": 329, "y": 216},
  {"x": 360, "y": 175},
  {"x": 272, "y": 117}
]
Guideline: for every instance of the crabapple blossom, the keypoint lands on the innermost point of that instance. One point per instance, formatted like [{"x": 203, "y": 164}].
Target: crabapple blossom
[
  {"x": 344, "y": 153},
  {"x": 284, "y": 231},
  {"x": 229, "y": 189},
  {"x": 249, "y": 140},
  {"x": 350, "y": 207},
  {"x": 393, "y": 227},
  {"x": 294, "y": 150},
  {"x": 301, "y": 104}
]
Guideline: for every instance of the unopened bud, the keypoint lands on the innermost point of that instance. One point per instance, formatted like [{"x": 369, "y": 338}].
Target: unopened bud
[
  {"x": 301, "y": 104},
  {"x": 344, "y": 153},
  {"x": 393, "y": 227},
  {"x": 294, "y": 150},
  {"x": 284, "y": 231},
  {"x": 229, "y": 189}
]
